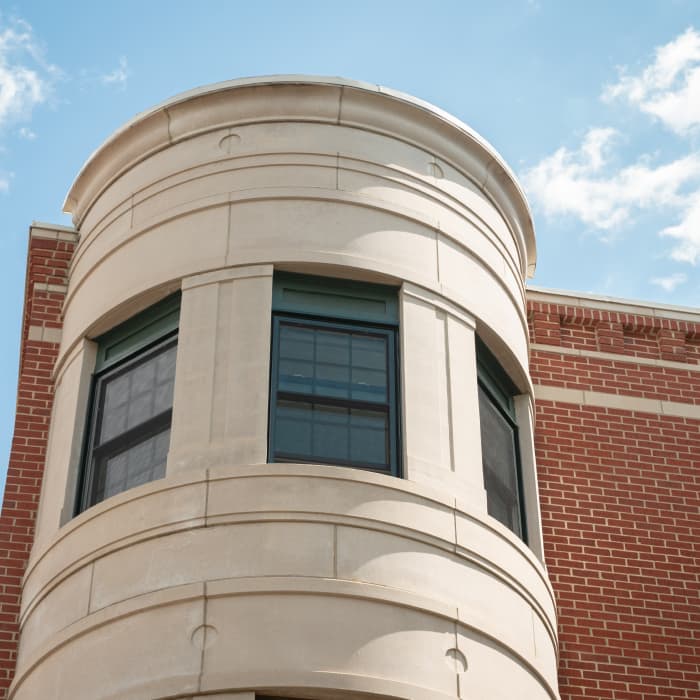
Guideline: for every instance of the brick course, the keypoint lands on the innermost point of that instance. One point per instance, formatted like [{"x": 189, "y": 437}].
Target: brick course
[{"x": 47, "y": 268}]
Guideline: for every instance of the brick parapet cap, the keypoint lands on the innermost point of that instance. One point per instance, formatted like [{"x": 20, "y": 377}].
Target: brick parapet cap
[
  {"x": 592, "y": 307},
  {"x": 39, "y": 229}
]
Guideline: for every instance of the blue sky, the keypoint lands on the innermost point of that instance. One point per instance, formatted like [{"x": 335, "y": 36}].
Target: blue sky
[{"x": 594, "y": 104}]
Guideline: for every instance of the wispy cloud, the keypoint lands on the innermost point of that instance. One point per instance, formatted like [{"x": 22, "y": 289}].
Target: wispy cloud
[
  {"x": 669, "y": 88},
  {"x": 26, "y": 133},
  {"x": 25, "y": 77},
  {"x": 118, "y": 76},
  {"x": 687, "y": 232},
  {"x": 669, "y": 284},
  {"x": 5, "y": 181},
  {"x": 589, "y": 183}
]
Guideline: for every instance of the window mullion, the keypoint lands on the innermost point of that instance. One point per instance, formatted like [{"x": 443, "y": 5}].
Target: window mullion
[{"x": 136, "y": 434}]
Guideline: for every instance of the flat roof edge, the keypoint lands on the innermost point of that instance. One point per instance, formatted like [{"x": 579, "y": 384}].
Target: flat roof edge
[{"x": 610, "y": 303}]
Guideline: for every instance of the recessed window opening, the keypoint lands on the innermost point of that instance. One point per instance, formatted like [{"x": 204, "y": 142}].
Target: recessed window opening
[
  {"x": 333, "y": 396},
  {"x": 499, "y": 443},
  {"x": 131, "y": 408}
]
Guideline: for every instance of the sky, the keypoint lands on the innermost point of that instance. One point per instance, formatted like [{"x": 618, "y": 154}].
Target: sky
[{"x": 594, "y": 104}]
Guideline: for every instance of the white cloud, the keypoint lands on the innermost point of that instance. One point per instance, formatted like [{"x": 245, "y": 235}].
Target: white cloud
[
  {"x": 26, "y": 133},
  {"x": 118, "y": 76},
  {"x": 25, "y": 77},
  {"x": 687, "y": 232},
  {"x": 587, "y": 182},
  {"x": 669, "y": 284},
  {"x": 669, "y": 88},
  {"x": 577, "y": 182}
]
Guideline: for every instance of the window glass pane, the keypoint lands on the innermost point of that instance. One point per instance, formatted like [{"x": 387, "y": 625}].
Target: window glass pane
[
  {"x": 138, "y": 394},
  {"x": 338, "y": 364},
  {"x": 165, "y": 366},
  {"x": 296, "y": 359},
  {"x": 165, "y": 380},
  {"x": 293, "y": 428},
  {"x": 140, "y": 409},
  {"x": 332, "y": 347},
  {"x": 499, "y": 463},
  {"x": 143, "y": 377},
  {"x": 116, "y": 399},
  {"x": 327, "y": 374},
  {"x": 331, "y": 433},
  {"x": 369, "y": 385},
  {"x": 369, "y": 352},
  {"x": 113, "y": 422},
  {"x": 296, "y": 375},
  {"x": 117, "y": 393},
  {"x": 296, "y": 342},
  {"x": 369, "y": 433},
  {"x": 332, "y": 363},
  {"x": 501, "y": 503},
  {"x": 316, "y": 432},
  {"x": 332, "y": 380},
  {"x": 135, "y": 465},
  {"x": 163, "y": 397},
  {"x": 369, "y": 368}
]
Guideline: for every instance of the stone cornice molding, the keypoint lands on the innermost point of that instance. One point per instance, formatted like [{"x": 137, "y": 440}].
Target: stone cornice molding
[{"x": 318, "y": 100}]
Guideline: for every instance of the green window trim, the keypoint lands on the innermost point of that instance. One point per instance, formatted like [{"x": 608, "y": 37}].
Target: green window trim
[
  {"x": 138, "y": 332},
  {"x": 334, "y": 298}
]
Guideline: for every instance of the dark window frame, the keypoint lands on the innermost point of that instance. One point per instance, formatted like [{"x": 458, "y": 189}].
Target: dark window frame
[
  {"x": 499, "y": 390},
  {"x": 390, "y": 406},
  {"x": 120, "y": 351}
]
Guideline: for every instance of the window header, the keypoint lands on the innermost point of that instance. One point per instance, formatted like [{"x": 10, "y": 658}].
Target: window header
[
  {"x": 138, "y": 332},
  {"x": 334, "y": 298}
]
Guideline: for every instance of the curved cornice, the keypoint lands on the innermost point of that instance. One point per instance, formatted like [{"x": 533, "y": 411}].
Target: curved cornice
[{"x": 326, "y": 100}]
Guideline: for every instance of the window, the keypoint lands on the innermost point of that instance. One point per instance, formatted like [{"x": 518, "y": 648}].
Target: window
[
  {"x": 499, "y": 443},
  {"x": 132, "y": 397},
  {"x": 333, "y": 396}
]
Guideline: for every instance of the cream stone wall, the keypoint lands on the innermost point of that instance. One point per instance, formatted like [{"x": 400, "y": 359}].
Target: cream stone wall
[
  {"x": 282, "y": 577},
  {"x": 231, "y": 575}
]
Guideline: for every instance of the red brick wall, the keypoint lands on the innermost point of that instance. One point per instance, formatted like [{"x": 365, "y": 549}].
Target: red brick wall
[
  {"x": 48, "y": 259},
  {"x": 620, "y": 498}
]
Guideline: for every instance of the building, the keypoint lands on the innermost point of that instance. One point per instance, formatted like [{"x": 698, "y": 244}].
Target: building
[{"x": 284, "y": 404}]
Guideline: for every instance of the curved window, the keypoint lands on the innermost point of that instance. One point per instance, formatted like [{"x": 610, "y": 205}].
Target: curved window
[
  {"x": 333, "y": 374},
  {"x": 499, "y": 444},
  {"x": 132, "y": 397}
]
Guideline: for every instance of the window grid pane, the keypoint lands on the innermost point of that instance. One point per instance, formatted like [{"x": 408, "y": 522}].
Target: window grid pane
[
  {"x": 331, "y": 363},
  {"x": 138, "y": 394},
  {"x": 500, "y": 464},
  {"x": 332, "y": 398},
  {"x": 337, "y": 434},
  {"x": 134, "y": 405},
  {"x": 134, "y": 466}
]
